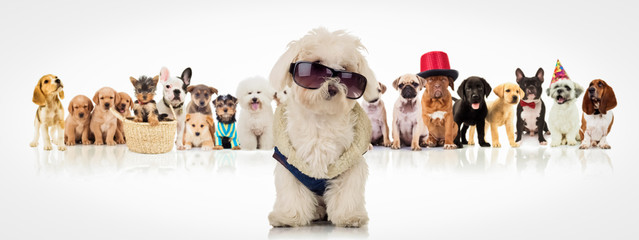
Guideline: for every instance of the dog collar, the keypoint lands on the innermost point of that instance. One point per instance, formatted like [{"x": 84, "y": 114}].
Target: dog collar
[
  {"x": 141, "y": 103},
  {"x": 349, "y": 157},
  {"x": 174, "y": 107},
  {"x": 527, "y": 104},
  {"x": 318, "y": 186}
]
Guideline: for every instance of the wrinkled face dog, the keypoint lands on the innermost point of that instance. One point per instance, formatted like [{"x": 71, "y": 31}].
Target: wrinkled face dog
[
  {"x": 253, "y": 93},
  {"x": 530, "y": 85},
  {"x": 201, "y": 94},
  {"x": 174, "y": 88},
  {"x": 564, "y": 91},
  {"x": 225, "y": 107},
  {"x": 125, "y": 103},
  {"x": 437, "y": 86},
  {"x": 600, "y": 97},
  {"x": 408, "y": 85}
]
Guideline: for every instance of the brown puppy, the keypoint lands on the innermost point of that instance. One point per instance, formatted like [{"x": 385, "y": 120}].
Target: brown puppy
[
  {"x": 198, "y": 132},
  {"x": 500, "y": 113},
  {"x": 597, "y": 118},
  {"x": 437, "y": 112},
  {"x": 226, "y": 133},
  {"x": 103, "y": 124},
  {"x": 377, "y": 114},
  {"x": 200, "y": 99},
  {"x": 77, "y": 124},
  {"x": 144, "y": 106},
  {"x": 123, "y": 107},
  {"x": 50, "y": 113}
]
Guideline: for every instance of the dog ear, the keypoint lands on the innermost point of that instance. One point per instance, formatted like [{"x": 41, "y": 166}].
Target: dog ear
[
  {"x": 548, "y": 91},
  {"x": 133, "y": 81},
  {"x": 540, "y": 74},
  {"x": 519, "y": 74},
  {"x": 578, "y": 89},
  {"x": 460, "y": 90},
  {"x": 370, "y": 93},
  {"x": 117, "y": 97},
  {"x": 70, "y": 108},
  {"x": 451, "y": 83},
  {"x": 422, "y": 81},
  {"x": 587, "y": 105},
  {"x": 213, "y": 90},
  {"x": 155, "y": 80},
  {"x": 164, "y": 75},
  {"x": 188, "y": 117},
  {"x": 280, "y": 76},
  {"x": 38, "y": 96},
  {"x": 209, "y": 120},
  {"x": 186, "y": 75},
  {"x": 90, "y": 104},
  {"x": 61, "y": 94},
  {"x": 487, "y": 87},
  {"x": 499, "y": 90},
  {"x": 383, "y": 87},
  {"x": 96, "y": 97},
  {"x": 522, "y": 94},
  {"x": 396, "y": 83},
  {"x": 608, "y": 99}
]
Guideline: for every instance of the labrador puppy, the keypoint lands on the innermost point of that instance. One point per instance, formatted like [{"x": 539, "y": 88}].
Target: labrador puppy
[
  {"x": 123, "y": 107},
  {"x": 471, "y": 109},
  {"x": 103, "y": 123},
  {"x": 76, "y": 127},
  {"x": 501, "y": 113}
]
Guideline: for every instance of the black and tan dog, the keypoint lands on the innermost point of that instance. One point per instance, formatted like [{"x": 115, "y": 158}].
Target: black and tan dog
[
  {"x": 531, "y": 111},
  {"x": 225, "y": 132},
  {"x": 144, "y": 107},
  {"x": 471, "y": 109}
]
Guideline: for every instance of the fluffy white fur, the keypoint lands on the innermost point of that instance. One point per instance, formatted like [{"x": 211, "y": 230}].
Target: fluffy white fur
[
  {"x": 320, "y": 130},
  {"x": 255, "y": 125},
  {"x": 563, "y": 119},
  {"x": 174, "y": 94}
]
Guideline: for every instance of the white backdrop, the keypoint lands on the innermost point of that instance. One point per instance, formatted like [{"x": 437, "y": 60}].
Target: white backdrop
[{"x": 90, "y": 44}]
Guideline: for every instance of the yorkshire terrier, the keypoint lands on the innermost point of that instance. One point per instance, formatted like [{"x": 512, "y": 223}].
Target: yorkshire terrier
[
  {"x": 144, "y": 107},
  {"x": 226, "y": 133}
]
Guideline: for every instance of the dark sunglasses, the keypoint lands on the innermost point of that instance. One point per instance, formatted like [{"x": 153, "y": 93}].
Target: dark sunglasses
[{"x": 311, "y": 75}]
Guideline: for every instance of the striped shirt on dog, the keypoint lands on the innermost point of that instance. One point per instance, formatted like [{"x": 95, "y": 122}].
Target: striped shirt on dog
[{"x": 226, "y": 130}]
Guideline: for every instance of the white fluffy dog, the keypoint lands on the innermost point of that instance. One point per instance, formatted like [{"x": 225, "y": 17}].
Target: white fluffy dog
[
  {"x": 322, "y": 134},
  {"x": 563, "y": 120},
  {"x": 255, "y": 126}
]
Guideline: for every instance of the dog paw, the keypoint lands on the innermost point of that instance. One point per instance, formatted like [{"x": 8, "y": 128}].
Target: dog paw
[
  {"x": 572, "y": 143},
  {"x": 98, "y": 143},
  {"x": 471, "y": 142},
  {"x": 450, "y": 146},
  {"x": 69, "y": 143},
  {"x": 33, "y": 144},
  {"x": 218, "y": 148},
  {"x": 387, "y": 143},
  {"x": 415, "y": 147},
  {"x": 351, "y": 222},
  {"x": 111, "y": 143},
  {"x": 396, "y": 145},
  {"x": 86, "y": 142},
  {"x": 484, "y": 144},
  {"x": 604, "y": 146},
  {"x": 464, "y": 142},
  {"x": 514, "y": 144},
  {"x": 154, "y": 123},
  {"x": 48, "y": 147},
  {"x": 555, "y": 144},
  {"x": 496, "y": 145},
  {"x": 138, "y": 120},
  {"x": 543, "y": 143},
  {"x": 370, "y": 147},
  {"x": 584, "y": 146},
  {"x": 236, "y": 148},
  {"x": 62, "y": 148},
  {"x": 281, "y": 220},
  {"x": 120, "y": 141}
]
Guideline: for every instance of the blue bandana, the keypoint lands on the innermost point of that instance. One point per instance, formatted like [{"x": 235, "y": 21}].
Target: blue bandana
[{"x": 318, "y": 186}]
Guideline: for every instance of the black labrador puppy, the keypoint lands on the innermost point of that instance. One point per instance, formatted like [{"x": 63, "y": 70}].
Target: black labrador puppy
[{"x": 471, "y": 109}]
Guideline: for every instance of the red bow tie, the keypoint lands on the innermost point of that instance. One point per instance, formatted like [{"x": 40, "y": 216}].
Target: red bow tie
[{"x": 525, "y": 104}]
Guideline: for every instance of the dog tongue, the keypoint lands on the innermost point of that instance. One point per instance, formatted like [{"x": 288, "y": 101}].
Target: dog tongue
[
  {"x": 475, "y": 105},
  {"x": 255, "y": 106},
  {"x": 561, "y": 100}
]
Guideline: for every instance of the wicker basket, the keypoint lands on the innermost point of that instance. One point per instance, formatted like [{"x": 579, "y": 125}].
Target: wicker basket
[{"x": 142, "y": 138}]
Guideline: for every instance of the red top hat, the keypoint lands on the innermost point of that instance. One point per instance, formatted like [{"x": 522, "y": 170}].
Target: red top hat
[{"x": 435, "y": 63}]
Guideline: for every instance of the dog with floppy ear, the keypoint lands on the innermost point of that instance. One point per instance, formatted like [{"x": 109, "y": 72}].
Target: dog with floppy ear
[
  {"x": 471, "y": 109},
  {"x": 124, "y": 107},
  {"x": 103, "y": 123},
  {"x": 408, "y": 127},
  {"x": 377, "y": 114},
  {"x": 197, "y": 131},
  {"x": 77, "y": 124},
  {"x": 597, "y": 117},
  {"x": 50, "y": 113},
  {"x": 501, "y": 113}
]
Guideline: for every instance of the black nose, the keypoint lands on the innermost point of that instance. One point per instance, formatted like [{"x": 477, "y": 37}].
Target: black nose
[
  {"x": 475, "y": 97},
  {"x": 202, "y": 103},
  {"x": 254, "y": 99},
  {"x": 107, "y": 104},
  {"x": 176, "y": 91},
  {"x": 226, "y": 110},
  {"x": 514, "y": 98},
  {"x": 57, "y": 81},
  {"x": 81, "y": 115},
  {"x": 123, "y": 105},
  {"x": 197, "y": 133},
  {"x": 560, "y": 91},
  {"x": 332, "y": 90},
  {"x": 592, "y": 89}
]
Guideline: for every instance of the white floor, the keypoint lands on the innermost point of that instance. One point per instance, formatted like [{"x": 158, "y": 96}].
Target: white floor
[{"x": 532, "y": 192}]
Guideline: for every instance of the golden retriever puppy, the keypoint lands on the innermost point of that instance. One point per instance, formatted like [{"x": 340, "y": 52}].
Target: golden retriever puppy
[
  {"x": 500, "y": 113},
  {"x": 103, "y": 122},
  {"x": 198, "y": 133},
  {"x": 50, "y": 113},
  {"x": 123, "y": 107},
  {"x": 77, "y": 124}
]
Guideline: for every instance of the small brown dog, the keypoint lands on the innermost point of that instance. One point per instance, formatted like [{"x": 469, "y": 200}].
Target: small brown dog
[
  {"x": 377, "y": 114},
  {"x": 226, "y": 133},
  {"x": 103, "y": 123},
  {"x": 123, "y": 107},
  {"x": 77, "y": 124},
  {"x": 200, "y": 99},
  {"x": 50, "y": 113},
  {"x": 437, "y": 112},
  {"x": 144, "y": 106},
  {"x": 198, "y": 133},
  {"x": 500, "y": 113}
]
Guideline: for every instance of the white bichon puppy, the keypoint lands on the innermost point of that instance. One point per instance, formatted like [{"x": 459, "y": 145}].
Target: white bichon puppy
[
  {"x": 563, "y": 119},
  {"x": 255, "y": 126},
  {"x": 321, "y": 132}
]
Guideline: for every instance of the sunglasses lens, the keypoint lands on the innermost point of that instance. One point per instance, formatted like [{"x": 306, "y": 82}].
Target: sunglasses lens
[
  {"x": 310, "y": 75},
  {"x": 355, "y": 83}
]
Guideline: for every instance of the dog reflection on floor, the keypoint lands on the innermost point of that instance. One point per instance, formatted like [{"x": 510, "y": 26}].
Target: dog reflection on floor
[
  {"x": 320, "y": 230},
  {"x": 531, "y": 161},
  {"x": 225, "y": 161},
  {"x": 595, "y": 162},
  {"x": 198, "y": 161}
]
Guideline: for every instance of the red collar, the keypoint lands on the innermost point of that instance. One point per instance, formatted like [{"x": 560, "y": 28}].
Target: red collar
[
  {"x": 141, "y": 103},
  {"x": 525, "y": 104}
]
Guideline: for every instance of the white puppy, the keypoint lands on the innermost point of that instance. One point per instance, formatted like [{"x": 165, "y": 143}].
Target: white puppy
[
  {"x": 563, "y": 120},
  {"x": 174, "y": 94},
  {"x": 320, "y": 133},
  {"x": 255, "y": 126},
  {"x": 282, "y": 95}
]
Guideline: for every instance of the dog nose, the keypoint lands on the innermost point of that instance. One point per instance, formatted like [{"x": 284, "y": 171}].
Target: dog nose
[
  {"x": 514, "y": 98},
  {"x": 197, "y": 133},
  {"x": 226, "y": 110},
  {"x": 176, "y": 91},
  {"x": 592, "y": 89},
  {"x": 560, "y": 91},
  {"x": 123, "y": 105},
  {"x": 254, "y": 100},
  {"x": 81, "y": 115},
  {"x": 107, "y": 104},
  {"x": 332, "y": 90},
  {"x": 475, "y": 97},
  {"x": 57, "y": 81},
  {"x": 201, "y": 102}
]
